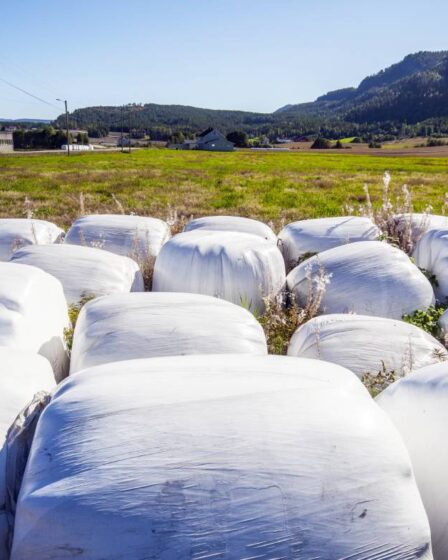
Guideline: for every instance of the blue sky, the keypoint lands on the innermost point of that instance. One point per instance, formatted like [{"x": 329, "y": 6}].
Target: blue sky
[{"x": 235, "y": 54}]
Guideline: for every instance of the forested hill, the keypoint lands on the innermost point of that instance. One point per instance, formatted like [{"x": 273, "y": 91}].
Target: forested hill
[
  {"x": 414, "y": 90},
  {"x": 173, "y": 117}
]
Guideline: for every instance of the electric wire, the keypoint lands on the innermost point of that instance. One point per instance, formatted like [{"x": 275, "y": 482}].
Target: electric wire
[{"x": 29, "y": 94}]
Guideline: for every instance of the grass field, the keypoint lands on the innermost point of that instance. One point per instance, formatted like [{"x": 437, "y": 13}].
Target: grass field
[{"x": 269, "y": 186}]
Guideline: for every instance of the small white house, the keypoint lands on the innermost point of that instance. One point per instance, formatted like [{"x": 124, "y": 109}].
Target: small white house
[{"x": 211, "y": 140}]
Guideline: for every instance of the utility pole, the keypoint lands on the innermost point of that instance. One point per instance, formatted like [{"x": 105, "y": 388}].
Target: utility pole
[
  {"x": 122, "y": 117},
  {"x": 129, "y": 129},
  {"x": 66, "y": 125}
]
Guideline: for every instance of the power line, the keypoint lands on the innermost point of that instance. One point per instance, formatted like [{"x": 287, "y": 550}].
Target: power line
[
  {"x": 49, "y": 86},
  {"x": 29, "y": 94}
]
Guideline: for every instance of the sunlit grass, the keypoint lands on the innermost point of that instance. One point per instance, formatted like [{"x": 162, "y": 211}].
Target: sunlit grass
[{"x": 270, "y": 186}]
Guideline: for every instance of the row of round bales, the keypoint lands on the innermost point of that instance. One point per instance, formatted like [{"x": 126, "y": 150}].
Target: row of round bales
[{"x": 176, "y": 436}]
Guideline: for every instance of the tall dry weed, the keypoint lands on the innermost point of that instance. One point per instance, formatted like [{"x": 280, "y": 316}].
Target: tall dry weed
[
  {"x": 395, "y": 217},
  {"x": 283, "y": 315}
]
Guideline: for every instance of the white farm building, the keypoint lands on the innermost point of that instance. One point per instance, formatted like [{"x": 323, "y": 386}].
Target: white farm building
[{"x": 211, "y": 140}]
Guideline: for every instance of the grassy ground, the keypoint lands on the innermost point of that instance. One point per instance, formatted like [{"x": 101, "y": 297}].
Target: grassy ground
[{"x": 268, "y": 186}]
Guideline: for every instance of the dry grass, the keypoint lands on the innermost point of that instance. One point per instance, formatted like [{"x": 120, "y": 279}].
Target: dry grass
[
  {"x": 394, "y": 217},
  {"x": 283, "y": 315}
]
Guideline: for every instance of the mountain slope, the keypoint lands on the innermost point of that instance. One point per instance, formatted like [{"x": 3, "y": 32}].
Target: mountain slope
[{"x": 411, "y": 90}]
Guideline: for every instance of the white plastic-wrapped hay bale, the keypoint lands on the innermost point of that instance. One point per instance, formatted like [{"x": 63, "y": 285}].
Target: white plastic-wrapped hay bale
[
  {"x": 237, "y": 267},
  {"x": 130, "y": 326},
  {"x": 367, "y": 277},
  {"x": 84, "y": 271},
  {"x": 418, "y": 406},
  {"x": 19, "y": 232},
  {"x": 33, "y": 314},
  {"x": 314, "y": 236},
  {"x": 22, "y": 376},
  {"x": 366, "y": 344},
  {"x": 137, "y": 237},
  {"x": 431, "y": 253},
  {"x": 415, "y": 225},
  {"x": 218, "y": 457},
  {"x": 232, "y": 223}
]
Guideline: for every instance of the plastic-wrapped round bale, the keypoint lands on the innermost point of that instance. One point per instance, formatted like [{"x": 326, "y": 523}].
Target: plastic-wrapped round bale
[
  {"x": 238, "y": 267},
  {"x": 232, "y": 223},
  {"x": 19, "y": 232},
  {"x": 33, "y": 314},
  {"x": 414, "y": 226},
  {"x": 418, "y": 406},
  {"x": 84, "y": 271},
  {"x": 218, "y": 457},
  {"x": 431, "y": 253},
  {"x": 366, "y": 344},
  {"x": 367, "y": 277},
  {"x": 314, "y": 236},
  {"x": 22, "y": 376},
  {"x": 137, "y": 237},
  {"x": 125, "y": 327}
]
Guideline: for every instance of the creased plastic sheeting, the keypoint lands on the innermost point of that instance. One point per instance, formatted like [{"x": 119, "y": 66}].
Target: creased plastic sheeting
[
  {"x": 19, "y": 232},
  {"x": 18, "y": 444},
  {"x": 365, "y": 344},
  {"x": 419, "y": 223},
  {"x": 84, "y": 271},
  {"x": 33, "y": 314},
  {"x": 232, "y": 223},
  {"x": 203, "y": 457},
  {"x": 368, "y": 277},
  {"x": 21, "y": 376},
  {"x": 315, "y": 236},
  {"x": 237, "y": 267},
  {"x": 137, "y": 237},
  {"x": 125, "y": 327},
  {"x": 431, "y": 253},
  {"x": 418, "y": 405}
]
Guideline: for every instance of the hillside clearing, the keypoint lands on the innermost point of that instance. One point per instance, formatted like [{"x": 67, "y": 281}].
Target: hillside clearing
[{"x": 268, "y": 186}]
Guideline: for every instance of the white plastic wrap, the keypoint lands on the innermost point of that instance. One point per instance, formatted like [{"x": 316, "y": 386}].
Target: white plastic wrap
[
  {"x": 237, "y": 267},
  {"x": 33, "y": 314},
  {"x": 19, "y": 232},
  {"x": 84, "y": 271},
  {"x": 431, "y": 253},
  {"x": 419, "y": 223},
  {"x": 315, "y": 236},
  {"x": 21, "y": 376},
  {"x": 125, "y": 327},
  {"x": 367, "y": 277},
  {"x": 418, "y": 405},
  {"x": 232, "y": 223},
  {"x": 137, "y": 237},
  {"x": 218, "y": 457},
  {"x": 365, "y": 344}
]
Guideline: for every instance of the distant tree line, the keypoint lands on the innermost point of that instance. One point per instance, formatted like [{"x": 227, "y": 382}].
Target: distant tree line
[{"x": 45, "y": 138}]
